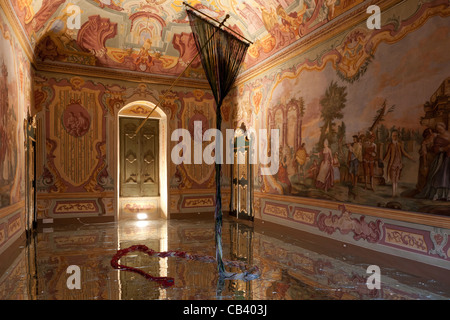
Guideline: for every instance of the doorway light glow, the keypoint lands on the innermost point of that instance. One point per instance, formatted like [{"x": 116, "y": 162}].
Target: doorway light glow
[{"x": 142, "y": 216}]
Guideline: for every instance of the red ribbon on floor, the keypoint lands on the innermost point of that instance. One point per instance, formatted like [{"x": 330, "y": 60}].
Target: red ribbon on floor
[
  {"x": 164, "y": 281},
  {"x": 167, "y": 281}
]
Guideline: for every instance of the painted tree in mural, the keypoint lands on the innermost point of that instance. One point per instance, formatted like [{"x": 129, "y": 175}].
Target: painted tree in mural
[
  {"x": 301, "y": 104},
  {"x": 333, "y": 102},
  {"x": 341, "y": 132}
]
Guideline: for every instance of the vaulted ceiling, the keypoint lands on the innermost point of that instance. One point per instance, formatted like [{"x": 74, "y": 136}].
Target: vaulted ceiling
[{"x": 154, "y": 36}]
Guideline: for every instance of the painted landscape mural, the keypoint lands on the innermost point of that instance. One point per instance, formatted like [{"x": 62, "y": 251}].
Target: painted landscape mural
[
  {"x": 358, "y": 124},
  {"x": 15, "y": 101}
]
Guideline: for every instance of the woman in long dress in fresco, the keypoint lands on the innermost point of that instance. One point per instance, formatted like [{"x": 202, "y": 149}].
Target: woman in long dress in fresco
[{"x": 325, "y": 178}]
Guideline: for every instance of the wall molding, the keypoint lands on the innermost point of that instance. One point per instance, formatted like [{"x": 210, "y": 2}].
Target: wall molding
[
  {"x": 6, "y": 211},
  {"x": 413, "y": 241},
  {"x": 117, "y": 74},
  {"x": 399, "y": 215}
]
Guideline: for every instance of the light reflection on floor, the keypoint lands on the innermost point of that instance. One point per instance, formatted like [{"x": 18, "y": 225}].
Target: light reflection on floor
[{"x": 288, "y": 270}]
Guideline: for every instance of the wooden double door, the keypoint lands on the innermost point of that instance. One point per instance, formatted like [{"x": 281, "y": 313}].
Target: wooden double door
[
  {"x": 241, "y": 204},
  {"x": 139, "y": 158}
]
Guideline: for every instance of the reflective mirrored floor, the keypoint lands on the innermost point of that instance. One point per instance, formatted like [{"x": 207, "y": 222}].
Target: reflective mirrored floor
[{"x": 290, "y": 268}]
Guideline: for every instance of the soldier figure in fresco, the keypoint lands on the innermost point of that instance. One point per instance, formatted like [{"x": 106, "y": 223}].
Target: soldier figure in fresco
[
  {"x": 354, "y": 159},
  {"x": 369, "y": 160}
]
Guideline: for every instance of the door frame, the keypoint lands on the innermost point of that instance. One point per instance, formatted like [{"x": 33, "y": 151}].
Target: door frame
[{"x": 157, "y": 114}]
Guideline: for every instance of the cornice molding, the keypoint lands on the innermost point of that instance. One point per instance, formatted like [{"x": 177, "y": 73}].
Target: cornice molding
[{"x": 123, "y": 75}]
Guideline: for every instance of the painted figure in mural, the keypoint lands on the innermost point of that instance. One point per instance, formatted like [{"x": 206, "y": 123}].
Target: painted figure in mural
[
  {"x": 282, "y": 175},
  {"x": 269, "y": 18},
  {"x": 369, "y": 160},
  {"x": 427, "y": 155},
  {"x": 7, "y": 137},
  {"x": 354, "y": 159},
  {"x": 325, "y": 178},
  {"x": 77, "y": 125},
  {"x": 394, "y": 156},
  {"x": 292, "y": 20},
  {"x": 301, "y": 157},
  {"x": 336, "y": 168},
  {"x": 438, "y": 181},
  {"x": 311, "y": 6},
  {"x": 144, "y": 59},
  {"x": 330, "y": 4},
  {"x": 313, "y": 171}
]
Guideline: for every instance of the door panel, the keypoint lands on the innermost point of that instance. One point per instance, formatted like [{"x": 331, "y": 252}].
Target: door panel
[
  {"x": 241, "y": 186},
  {"x": 139, "y": 158},
  {"x": 149, "y": 160}
]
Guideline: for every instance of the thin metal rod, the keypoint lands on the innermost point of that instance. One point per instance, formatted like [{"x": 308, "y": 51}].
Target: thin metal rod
[
  {"x": 173, "y": 84},
  {"x": 188, "y": 5}
]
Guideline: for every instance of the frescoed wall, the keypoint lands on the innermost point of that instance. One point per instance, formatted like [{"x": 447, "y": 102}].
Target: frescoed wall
[
  {"x": 15, "y": 104},
  {"x": 363, "y": 116},
  {"x": 77, "y": 159}
]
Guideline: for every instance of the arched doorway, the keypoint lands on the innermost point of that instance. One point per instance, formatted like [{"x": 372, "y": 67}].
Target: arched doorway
[{"x": 141, "y": 170}]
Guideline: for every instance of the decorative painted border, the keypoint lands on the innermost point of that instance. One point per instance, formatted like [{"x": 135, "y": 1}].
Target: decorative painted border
[
  {"x": 343, "y": 24},
  {"x": 77, "y": 206},
  {"x": 136, "y": 205},
  {"x": 406, "y": 238},
  {"x": 14, "y": 225},
  {"x": 342, "y": 221},
  {"x": 294, "y": 213},
  {"x": 3, "y": 234},
  {"x": 10, "y": 227},
  {"x": 406, "y": 216},
  {"x": 191, "y": 202}
]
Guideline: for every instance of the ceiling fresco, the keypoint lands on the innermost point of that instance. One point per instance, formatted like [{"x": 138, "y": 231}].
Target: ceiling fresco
[{"x": 154, "y": 36}]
